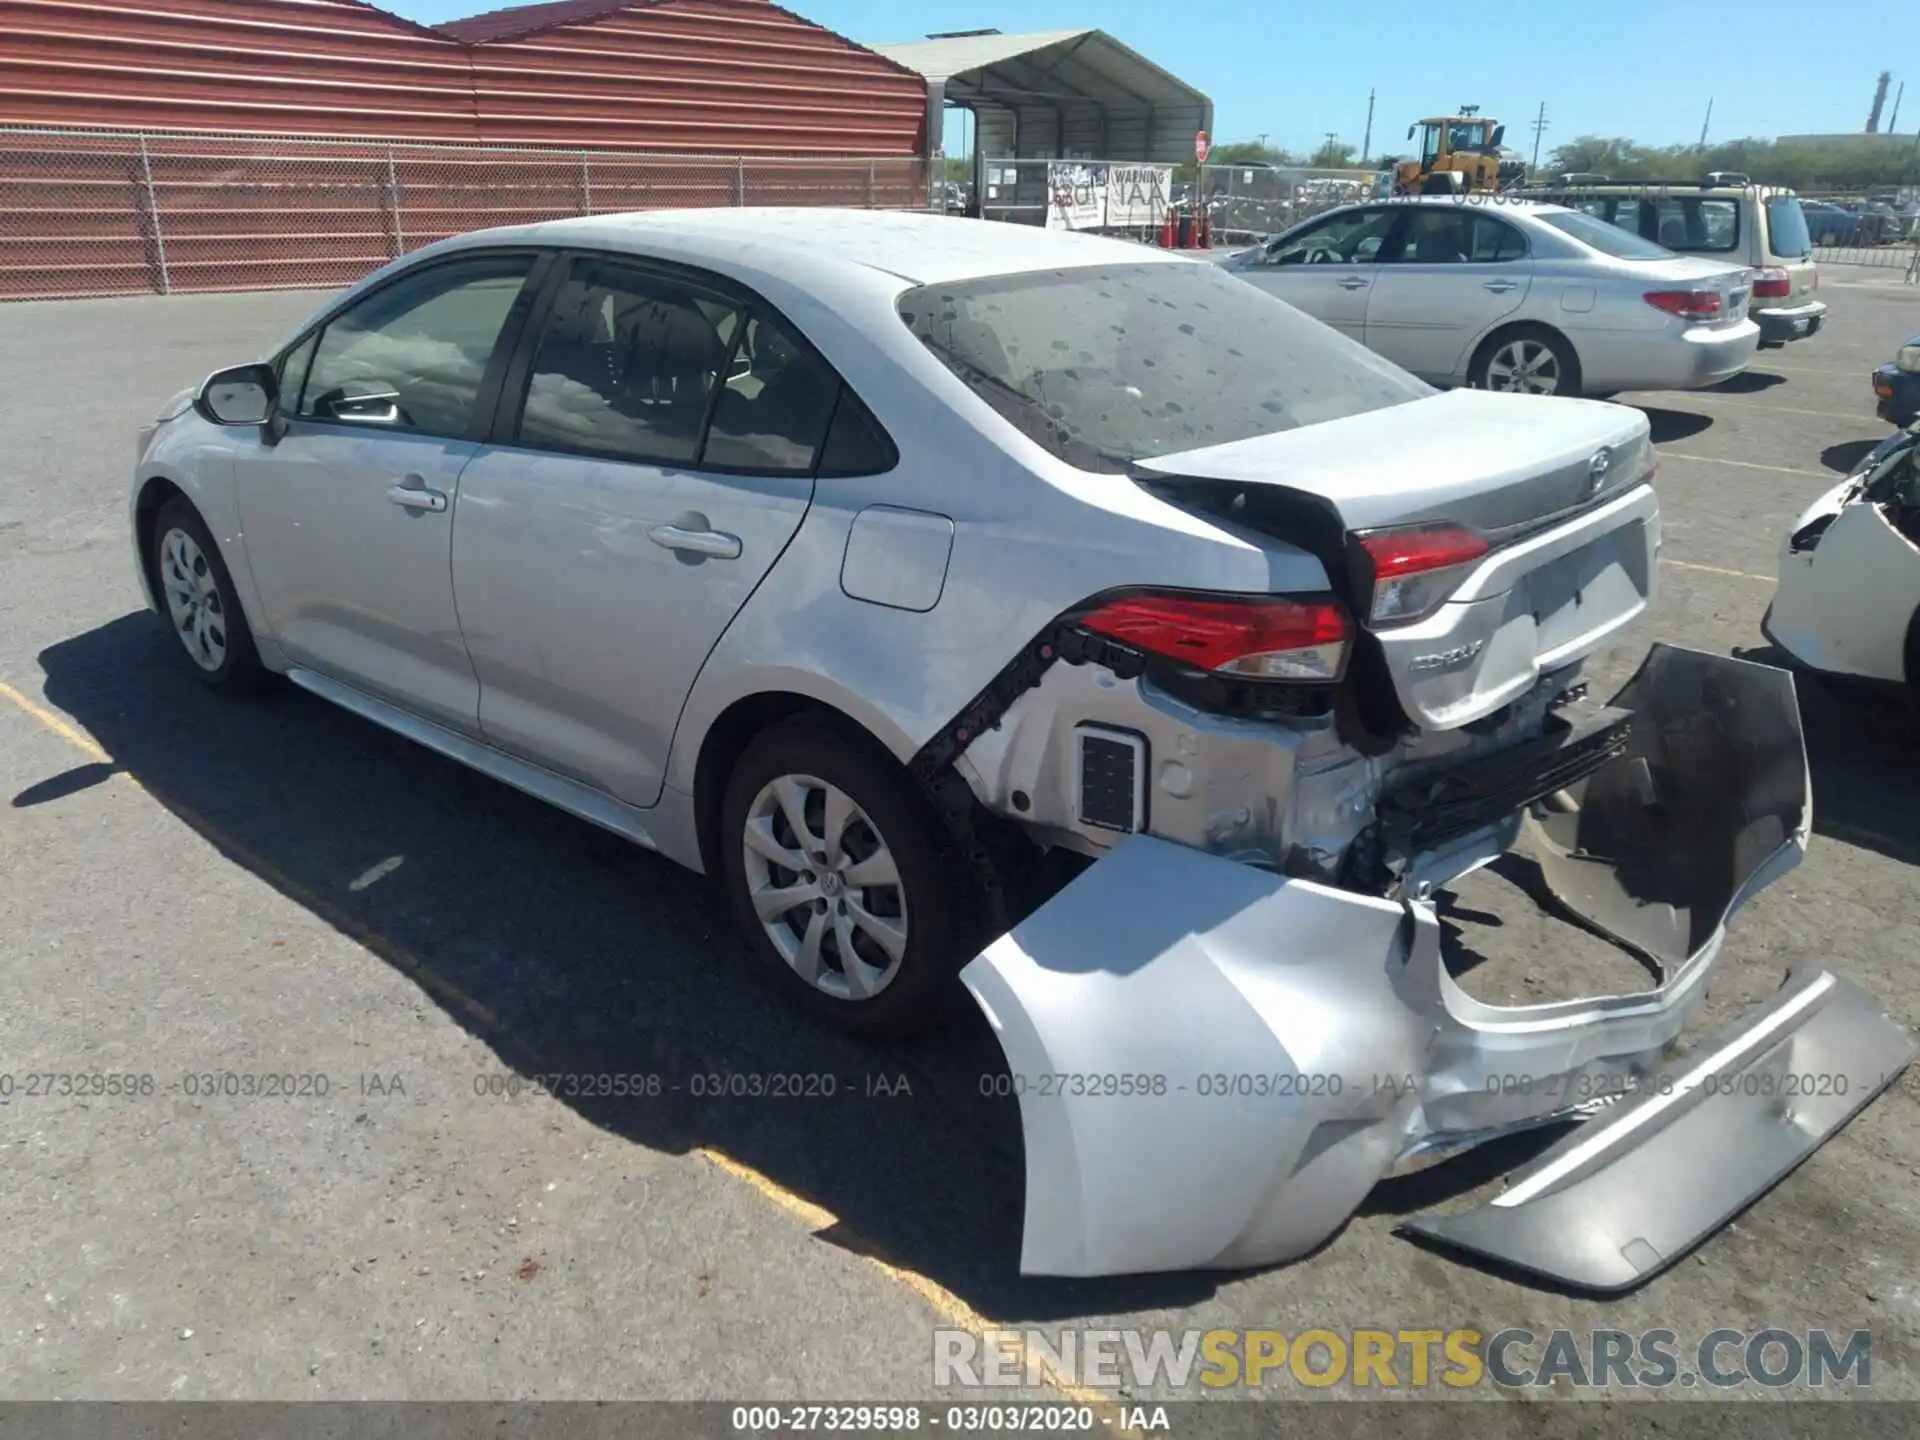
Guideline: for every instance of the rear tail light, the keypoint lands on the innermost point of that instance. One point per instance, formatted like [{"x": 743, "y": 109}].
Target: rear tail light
[
  {"x": 1264, "y": 637},
  {"x": 1413, "y": 568},
  {"x": 1771, "y": 282},
  {"x": 1688, "y": 304}
]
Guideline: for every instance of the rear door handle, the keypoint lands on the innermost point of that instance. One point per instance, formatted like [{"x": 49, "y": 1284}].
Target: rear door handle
[
  {"x": 716, "y": 543},
  {"x": 1500, "y": 287},
  {"x": 417, "y": 496},
  {"x": 1354, "y": 282}
]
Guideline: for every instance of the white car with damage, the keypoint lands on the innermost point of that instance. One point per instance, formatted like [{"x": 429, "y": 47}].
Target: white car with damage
[{"x": 861, "y": 559}]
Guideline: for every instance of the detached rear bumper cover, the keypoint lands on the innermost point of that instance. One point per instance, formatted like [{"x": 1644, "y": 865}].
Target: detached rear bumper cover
[{"x": 1215, "y": 1063}]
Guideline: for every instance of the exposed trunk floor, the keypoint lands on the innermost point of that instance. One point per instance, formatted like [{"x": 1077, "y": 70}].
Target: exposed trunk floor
[{"x": 1505, "y": 944}]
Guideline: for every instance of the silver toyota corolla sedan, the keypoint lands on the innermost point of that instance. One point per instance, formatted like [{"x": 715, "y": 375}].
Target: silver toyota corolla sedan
[
  {"x": 1512, "y": 296},
  {"x": 861, "y": 560}
]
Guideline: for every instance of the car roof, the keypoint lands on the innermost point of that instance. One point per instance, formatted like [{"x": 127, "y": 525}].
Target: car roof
[{"x": 916, "y": 247}]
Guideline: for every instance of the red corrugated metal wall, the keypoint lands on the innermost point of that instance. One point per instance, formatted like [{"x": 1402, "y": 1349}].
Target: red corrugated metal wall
[
  {"x": 722, "y": 77},
  {"x": 719, "y": 77},
  {"x": 150, "y": 200},
  {"x": 288, "y": 67}
]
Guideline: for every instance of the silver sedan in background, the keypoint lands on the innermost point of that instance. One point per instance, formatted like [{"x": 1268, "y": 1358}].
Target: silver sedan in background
[{"x": 1512, "y": 296}]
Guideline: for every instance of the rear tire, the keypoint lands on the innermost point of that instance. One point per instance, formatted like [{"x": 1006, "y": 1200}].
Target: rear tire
[
  {"x": 841, "y": 878},
  {"x": 199, "y": 604},
  {"x": 1526, "y": 360}
]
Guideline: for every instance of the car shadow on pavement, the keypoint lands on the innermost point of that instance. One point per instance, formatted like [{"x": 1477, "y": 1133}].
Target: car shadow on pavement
[
  {"x": 1669, "y": 426},
  {"x": 1845, "y": 457},
  {"x": 1862, "y": 743},
  {"x": 569, "y": 951},
  {"x": 1747, "y": 382}
]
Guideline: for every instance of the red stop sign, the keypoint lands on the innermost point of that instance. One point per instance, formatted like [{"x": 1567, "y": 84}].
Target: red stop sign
[{"x": 1200, "y": 147}]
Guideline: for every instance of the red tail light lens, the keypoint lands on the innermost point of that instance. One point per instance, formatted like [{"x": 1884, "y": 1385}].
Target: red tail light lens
[
  {"x": 1771, "y": 282},
  {"x": 1688, "y": 304},
  {"x": 1414, "y": 568},
  {"x": 1254, "y": 638}
]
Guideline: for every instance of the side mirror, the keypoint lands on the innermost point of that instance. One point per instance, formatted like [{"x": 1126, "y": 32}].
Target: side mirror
[
  {"x": 1499, "y": 134},
  {"x": 238, "y": 395}
]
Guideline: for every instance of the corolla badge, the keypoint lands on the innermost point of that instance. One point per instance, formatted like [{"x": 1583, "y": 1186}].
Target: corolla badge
[
  {"x": 1597, "y": 469},
  {"x": 1447, "y": 659}
]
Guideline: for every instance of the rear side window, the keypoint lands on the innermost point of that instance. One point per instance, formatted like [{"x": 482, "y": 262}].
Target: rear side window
[
  {"x": 1695, "y": 223},
  {"x": 1457, "y": 235},
  {"x": 1104, "y": 366},
  {"x": 774, "y": 407},
  {"x": 1607, "y": 239},
  {"x": 627, "y": 364},
  {"x": 651, "y": 368},
  {"x": 1787, "y": 234}
]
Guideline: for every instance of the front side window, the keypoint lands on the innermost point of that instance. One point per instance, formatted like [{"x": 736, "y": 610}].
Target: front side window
[
  {"x": 627, "y": 365},
  {"x": 412, "y": 355},
  {"x": 1107, "y": 365},
  {"x": 1353, "y": 237}
]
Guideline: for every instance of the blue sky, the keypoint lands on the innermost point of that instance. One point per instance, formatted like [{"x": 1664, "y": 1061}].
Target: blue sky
[{"x": 1605, "y": 67}]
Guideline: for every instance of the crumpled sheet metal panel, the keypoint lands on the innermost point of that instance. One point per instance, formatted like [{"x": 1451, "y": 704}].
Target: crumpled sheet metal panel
[
  {"x": 1216, "y": 1063},
  {"x": 1168, "y": 965}
]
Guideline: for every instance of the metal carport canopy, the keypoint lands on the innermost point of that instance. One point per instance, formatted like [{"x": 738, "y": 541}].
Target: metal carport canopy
[{"x": 1059, "y": 94}]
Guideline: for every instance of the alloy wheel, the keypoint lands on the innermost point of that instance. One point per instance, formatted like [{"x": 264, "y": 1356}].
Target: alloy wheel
[
  {"x": 1524, "y": 367},
  {"x": 193, "y": 599},
  {"x": 825, "y": 886}
]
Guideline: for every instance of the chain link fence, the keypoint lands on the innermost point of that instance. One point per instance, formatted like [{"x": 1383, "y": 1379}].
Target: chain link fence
[
  {"x": 87, "y": 213},
  {"x": 1854, "y": 230},
  {"x": 1246, "y": 203}
]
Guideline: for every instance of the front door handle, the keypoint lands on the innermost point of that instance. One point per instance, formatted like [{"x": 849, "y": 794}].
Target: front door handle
[
  {"x": 716, "y": 543},
  {"x": 1500, "y": 287},
  {"x": 417, "y": 497},
  {"x": 1354, "y": 282}
]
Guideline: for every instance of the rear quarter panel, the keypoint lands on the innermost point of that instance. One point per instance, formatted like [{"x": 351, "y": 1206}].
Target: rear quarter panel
[{"x": 1032, "y": 537}]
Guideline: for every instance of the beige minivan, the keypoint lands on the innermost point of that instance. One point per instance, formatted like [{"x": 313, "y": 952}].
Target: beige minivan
[{"x": 1723, "y": 218}]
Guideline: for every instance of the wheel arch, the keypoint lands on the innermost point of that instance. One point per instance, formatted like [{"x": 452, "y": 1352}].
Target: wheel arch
[
  {"x": 728, "y": 735},
  {"x": 1505, "y": 329},
  {"x": 155, "y": 491}
]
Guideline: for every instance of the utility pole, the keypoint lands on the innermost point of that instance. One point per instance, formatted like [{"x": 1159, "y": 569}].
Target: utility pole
[
  {"x": 1366, "y": 145},
  {"x": 1706, "y": 122},
  {"x": 1539, "y": 128},
  {"x": 1893, "y": 121}
]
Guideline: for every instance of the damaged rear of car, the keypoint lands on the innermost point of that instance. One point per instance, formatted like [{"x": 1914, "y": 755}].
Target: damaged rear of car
[{"x": 1237, "y": 1019}]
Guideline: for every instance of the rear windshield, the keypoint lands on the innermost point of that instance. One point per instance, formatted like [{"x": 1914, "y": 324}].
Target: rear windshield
[
  {"x": 1110, "y": 365},
  {"x": 1607, "y": 239},
  {"x": 1787, "y": 229}
]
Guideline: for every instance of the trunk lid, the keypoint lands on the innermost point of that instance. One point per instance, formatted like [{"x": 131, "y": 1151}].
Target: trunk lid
[{"x": 1556, "y": 488}]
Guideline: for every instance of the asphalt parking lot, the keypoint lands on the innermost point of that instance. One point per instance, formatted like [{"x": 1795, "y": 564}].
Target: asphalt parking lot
[{"x": 191, "y": 885}]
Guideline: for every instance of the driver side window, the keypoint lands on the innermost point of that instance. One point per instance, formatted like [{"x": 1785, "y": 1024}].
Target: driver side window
[
  {"x": 1351, "y": 238},
  {"x": 412, "y": 356}
]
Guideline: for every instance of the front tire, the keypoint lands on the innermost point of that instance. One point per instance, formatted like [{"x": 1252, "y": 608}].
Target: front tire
[
  {"x": 198, "y": 601},
  {"x": 1526, "y": 360},
  {"x": 840, "y": 880}
]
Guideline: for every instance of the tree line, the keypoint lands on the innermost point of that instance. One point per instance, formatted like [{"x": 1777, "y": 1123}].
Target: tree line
[{"x": 1832, "y": 165}]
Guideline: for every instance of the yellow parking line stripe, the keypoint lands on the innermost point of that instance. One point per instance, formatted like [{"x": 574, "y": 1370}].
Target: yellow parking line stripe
[
  {"x": 949, "y": 1307},
  {"x": 294, "y": 890},
  {"x": 1717, "y": 570},
  {"x": 1750, "y": 465},
  {"x": 77, "y": 738},
  {"x": 942, "y": 1301}
]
